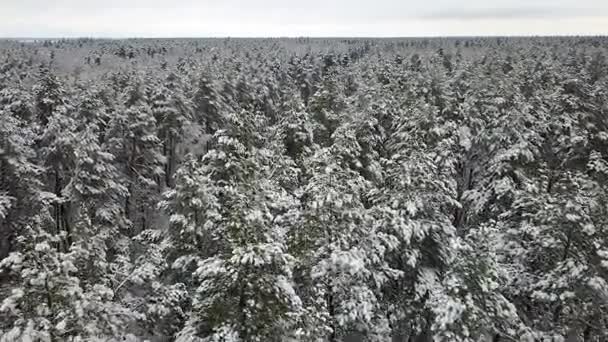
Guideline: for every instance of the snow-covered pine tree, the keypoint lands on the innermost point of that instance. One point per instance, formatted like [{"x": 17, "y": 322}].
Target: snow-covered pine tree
[
  {"x": 228, "y": 224},
  {"x": 340, "y": 246},
  {"x": 173, "y": 114},
  {"x": 132, "y": 138}
]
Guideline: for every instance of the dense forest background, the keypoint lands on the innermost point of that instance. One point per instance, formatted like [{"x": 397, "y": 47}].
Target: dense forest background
[{"x": 304, "y": 190}]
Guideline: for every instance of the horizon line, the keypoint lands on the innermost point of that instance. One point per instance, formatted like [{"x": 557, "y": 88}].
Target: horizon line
[{"x": 101, "y": 37}]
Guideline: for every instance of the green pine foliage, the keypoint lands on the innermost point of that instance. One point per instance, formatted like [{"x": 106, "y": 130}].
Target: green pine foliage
[{"x": 321, "y": 190}]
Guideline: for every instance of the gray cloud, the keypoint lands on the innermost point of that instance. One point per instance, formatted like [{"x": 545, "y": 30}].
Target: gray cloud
[{"x": 509, "y": 13}]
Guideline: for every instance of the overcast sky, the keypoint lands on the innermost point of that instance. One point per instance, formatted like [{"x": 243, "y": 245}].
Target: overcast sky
[{"x": 247, "y": 18}]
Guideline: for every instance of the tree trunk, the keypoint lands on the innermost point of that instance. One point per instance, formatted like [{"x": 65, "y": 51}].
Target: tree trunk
[
  {"x": 66, "y": 225},
  {"x": 333, "y": 336},
  {"x": 57, "y": 210},
  {"x": 465, "y": 184},
  {"x": 243, "y": 333}
]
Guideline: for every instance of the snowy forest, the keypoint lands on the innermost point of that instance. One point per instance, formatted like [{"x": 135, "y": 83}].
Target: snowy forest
[{"x": 314, "y": 190}]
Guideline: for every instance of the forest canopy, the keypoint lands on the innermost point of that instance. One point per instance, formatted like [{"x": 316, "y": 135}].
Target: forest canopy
[{"x": 448, "y": 189}]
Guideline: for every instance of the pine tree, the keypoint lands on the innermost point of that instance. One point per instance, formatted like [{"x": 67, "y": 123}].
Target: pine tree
[
  {"x": 227, "y": 218},
  {"x": 340, "y": 249},
  {"x": 132, "y": 139},
  {"x": 172, "y": 112}
]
